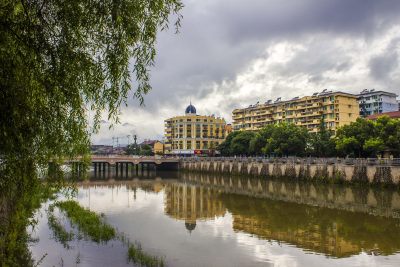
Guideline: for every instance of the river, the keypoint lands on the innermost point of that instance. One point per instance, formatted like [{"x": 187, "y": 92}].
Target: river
[{"x": 192, "y": 219}]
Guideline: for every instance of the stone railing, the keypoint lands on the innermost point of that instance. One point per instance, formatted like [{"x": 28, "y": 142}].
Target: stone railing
[{"x": 306, "y": 160}]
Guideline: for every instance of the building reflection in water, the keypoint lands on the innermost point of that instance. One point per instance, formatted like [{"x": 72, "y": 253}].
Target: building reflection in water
[
  {"x": 331, "y": 232},
  {"x": 335, "y": 232},
  {"x": 192, "y": 203}
]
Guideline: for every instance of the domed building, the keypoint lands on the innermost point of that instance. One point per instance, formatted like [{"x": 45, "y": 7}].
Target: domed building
[
  {"x": 193, "y": 134},
  {"x": 190, "y": 109},
  {"x": 191, "y": 203}
]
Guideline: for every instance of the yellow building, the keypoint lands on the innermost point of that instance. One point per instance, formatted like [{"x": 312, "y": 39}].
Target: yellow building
[
  {"x": 158, "y": 148},
  {"x": 193, "y": 134},
  {"x": 228, "y": 129},
  {"x": 191, "y": 203},
  {"x": 337, "y": 109}
]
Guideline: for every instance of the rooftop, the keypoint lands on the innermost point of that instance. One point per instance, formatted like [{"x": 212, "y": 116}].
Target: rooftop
[
  {"x": 393, "y": 115},
  {"x": 279, "y": 100},
  {"x": 190, "y": 109},
  {"x": 373, "y": 92}
]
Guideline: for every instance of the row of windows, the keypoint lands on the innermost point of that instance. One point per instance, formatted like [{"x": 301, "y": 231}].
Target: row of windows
[
  {"x": 195, "y": 145},
  {"x": 190, "y": 120},
  {"x": 296, "y": 120},
  {"x": 374, "y": 97},
  {"x": 198, "y": 136},
  {"x": 305, "y": 111},
  {"x": 301, "y": 104},
  {"x": 197, "y": 127}
]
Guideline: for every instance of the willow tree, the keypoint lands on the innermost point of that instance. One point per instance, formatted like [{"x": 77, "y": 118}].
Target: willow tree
[{"x": 60, "y": 60}]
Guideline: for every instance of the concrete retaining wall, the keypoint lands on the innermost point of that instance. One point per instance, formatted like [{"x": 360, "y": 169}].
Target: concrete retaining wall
[{"x": 379, "y": 174}]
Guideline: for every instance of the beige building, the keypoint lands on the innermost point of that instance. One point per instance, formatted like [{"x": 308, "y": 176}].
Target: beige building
[
  {"x": 191, "y": 134},
  {"x": 228, "y": 129},
  {"x": 158, "y": 148},
  {"x": 337, "y": 109},
  {"x": 191, "y": 203}
]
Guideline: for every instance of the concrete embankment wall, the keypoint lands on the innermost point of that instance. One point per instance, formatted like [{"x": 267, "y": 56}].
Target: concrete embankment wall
[{"x": 335, "y": 172}]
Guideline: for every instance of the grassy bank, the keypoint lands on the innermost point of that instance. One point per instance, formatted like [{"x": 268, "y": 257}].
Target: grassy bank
[
  {"x": 88, "y": 222},
  {"x": 60, "y": 234},
  {"x": 136, "y": 255},
  {"x": 92, "y": 225}
]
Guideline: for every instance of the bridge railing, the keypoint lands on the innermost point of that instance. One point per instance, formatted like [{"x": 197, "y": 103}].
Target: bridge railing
[
  {"x": 113, "y": 156},
  {"x": 304, "y": 160}
]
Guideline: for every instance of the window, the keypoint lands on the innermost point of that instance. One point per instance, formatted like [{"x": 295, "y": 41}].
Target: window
[{"x": 205, "y": 144}]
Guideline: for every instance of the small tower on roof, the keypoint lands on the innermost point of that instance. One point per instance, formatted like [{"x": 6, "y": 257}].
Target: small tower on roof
[{"x": 190, "y": 110}]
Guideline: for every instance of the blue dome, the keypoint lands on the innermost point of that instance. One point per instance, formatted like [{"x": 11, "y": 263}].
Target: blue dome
[{"x": 190, "y": 109}]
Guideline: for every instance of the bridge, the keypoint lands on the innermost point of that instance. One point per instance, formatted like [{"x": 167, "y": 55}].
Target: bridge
[
  {"x": 114, "y": 159},
  {"x": 123, "y": 164}
]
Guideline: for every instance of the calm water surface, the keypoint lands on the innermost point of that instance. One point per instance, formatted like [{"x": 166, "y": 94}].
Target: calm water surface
[{"x": 206, "y": 220}]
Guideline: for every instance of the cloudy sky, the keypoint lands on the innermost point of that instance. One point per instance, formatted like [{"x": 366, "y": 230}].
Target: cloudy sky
[{"x": 232, "y": 53}]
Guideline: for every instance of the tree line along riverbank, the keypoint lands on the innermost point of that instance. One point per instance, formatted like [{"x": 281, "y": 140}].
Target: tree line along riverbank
[{"x": 363, "y": 138}]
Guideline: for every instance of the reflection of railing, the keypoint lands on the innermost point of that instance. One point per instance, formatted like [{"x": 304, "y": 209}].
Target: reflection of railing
[{"x": 308, "y": 160}]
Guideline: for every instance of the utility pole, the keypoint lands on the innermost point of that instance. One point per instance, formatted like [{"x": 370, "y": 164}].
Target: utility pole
[
  {"x": 113, "y": 144},
  {"x": 135, "y": 144}
]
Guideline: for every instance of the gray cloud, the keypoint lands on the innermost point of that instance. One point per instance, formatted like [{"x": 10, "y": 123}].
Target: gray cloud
[
  {"x": 382, "y": 65},
  {"x": 221, "y": 40}
]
